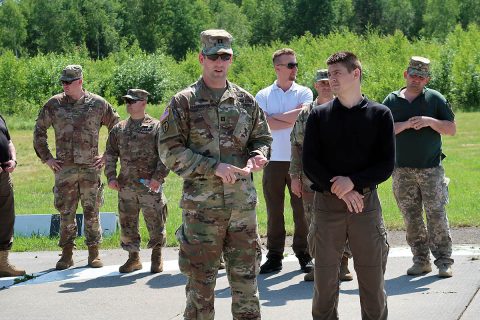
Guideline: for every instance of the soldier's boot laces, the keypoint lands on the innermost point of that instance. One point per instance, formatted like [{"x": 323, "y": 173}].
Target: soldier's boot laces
[
  {"x": 6, "y": 269},
  {"x": 157, "y": 261},
  {"x": 94, "y": 258},
  {"x": 418, "y": 269},
  {"x": 133, "y": 263},
  {"x": 345, "y": 274},
  {"x": 66, "y": 261}
]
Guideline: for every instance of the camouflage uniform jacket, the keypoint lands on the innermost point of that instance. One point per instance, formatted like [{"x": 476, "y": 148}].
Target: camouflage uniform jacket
[
  {"x": 136, "y": 144},
  {"x": 296, "y": 140},
  {"x": 198, "y": 133},
  {"x": 77, "y": 125}
]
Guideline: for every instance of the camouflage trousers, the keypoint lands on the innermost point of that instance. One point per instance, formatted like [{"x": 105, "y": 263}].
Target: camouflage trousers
[
  {"x": 78, "y": 183},
  {"x": 204, "y": 234},
  {"x": 154, "y": 209},
  {"x": 308, "y": 204},
  {"x": 418, "y": 189}
]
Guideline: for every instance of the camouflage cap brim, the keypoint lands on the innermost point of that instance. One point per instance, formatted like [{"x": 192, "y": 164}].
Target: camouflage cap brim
[
  {"x": 127, "y": 96},
  {"x": 217, "y": 50},
  {"x": 67, "y": 78},
  {"x": 419, "y": 73}
]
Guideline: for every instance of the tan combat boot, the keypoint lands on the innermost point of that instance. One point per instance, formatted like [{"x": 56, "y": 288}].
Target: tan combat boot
[
  {"x": 345, "y": 274},
  {"x": 445, "y": 271},
  {"x": 93, "y": 257},
  {"x": 157, "y": 261},
  {"x": 418, "y": 269},
  {"x": 6, "y": 269},
  {"x": 66, "y": 261},
  {"x": 133, "y": 263}
]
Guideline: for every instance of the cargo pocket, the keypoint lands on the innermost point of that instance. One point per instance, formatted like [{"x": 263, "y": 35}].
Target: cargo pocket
[
  {"x": 100, "y": 195},
  {"x": 312, "y": 230},
  {"x": 58, "y": 201},
  {"x": 385, "y": 247},
  {"x": 192, "y": 258}
]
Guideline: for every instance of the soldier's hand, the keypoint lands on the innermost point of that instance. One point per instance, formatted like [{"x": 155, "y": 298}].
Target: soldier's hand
[
  {"x": 54, "y": 164},
  {"x": 113, "y": 184},
  {"x": 10, "y": 165},
  {"x": 256, "y": 163},
  {"x": 419, "y": 122},
  {"x": 341, "y": 186},
  {"x": 354, "y": 201},
  {"x": 228, "y": 172},
  {"x": 154, "y": 185},
  {"x": 296, "y": 186},
  {"x": 99, "y": 162},
  {"x": 1, "y": 170}
]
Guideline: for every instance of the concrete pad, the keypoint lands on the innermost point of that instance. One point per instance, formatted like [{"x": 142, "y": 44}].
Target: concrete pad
[{"x": 81, "y": 293}]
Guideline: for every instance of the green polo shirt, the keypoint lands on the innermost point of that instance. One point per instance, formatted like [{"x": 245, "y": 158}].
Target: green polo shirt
[{"x": 419, "y": 148}]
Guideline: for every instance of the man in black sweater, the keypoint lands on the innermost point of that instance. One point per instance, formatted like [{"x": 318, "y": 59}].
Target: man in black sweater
[{"x": 349, "y": 148}]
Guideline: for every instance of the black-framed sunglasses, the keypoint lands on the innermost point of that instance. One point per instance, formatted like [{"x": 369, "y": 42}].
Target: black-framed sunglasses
[
  {"x": 130, "y": 101},
  {"x": 67, "y": 83},
  {"x": 214, "y": 57},
  {"x": 289, "y": 65}
]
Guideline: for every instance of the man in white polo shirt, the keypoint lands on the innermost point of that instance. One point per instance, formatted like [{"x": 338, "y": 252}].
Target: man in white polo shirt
[{"x": 282, "y": 101}]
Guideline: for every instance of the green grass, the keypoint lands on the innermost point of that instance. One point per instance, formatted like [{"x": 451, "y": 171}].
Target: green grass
[{"x": 34, "y": 181}]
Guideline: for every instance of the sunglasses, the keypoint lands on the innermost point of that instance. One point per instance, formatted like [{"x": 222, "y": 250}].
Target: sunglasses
[
  {"x": 67, "y": 83},
  {"x": 289, "y": 65},
  {"x": 130, "y": 101},
  {"x": 214, "y": 57}
]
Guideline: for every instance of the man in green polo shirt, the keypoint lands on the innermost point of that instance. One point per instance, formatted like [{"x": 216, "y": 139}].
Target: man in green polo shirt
[{"x": 421, "y": 116}]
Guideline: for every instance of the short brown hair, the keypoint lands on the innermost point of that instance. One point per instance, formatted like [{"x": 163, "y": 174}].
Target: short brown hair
[
  {"x": 348, "y": 59},
  {"x": 282, "y": 52}
]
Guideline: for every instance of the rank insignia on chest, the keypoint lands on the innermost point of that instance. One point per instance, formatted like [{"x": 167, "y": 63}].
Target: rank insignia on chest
[
  {"x": 222, "y": 119},
  {"x": 145, "y": 129}
]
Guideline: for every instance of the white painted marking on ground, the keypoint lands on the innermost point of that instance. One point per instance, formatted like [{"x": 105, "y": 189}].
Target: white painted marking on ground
[{"x": 81, "y": 274}]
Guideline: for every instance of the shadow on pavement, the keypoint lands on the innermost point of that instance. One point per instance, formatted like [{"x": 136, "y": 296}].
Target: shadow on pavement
[
  {"x": 103, "y": 282},
  {"x": 403, "y": 285}
]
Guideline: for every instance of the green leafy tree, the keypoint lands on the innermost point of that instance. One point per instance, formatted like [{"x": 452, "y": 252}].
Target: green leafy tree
[
  {"x": 268, "y": 20},
  {"x": 368, "y": 13},
  {"x": 469, "y": 12},
  {"x": 343, "y": 14},
  {"x": 100, "y": 18},
  {"x": 313, "y": 16},
  {"x": 418, "y": 7},
  {"x": 229, "y": 17},
  {"x": 440, "y": 18},
  {"x": 13, "y": 32},
  {"x": 397, "y": 15}
]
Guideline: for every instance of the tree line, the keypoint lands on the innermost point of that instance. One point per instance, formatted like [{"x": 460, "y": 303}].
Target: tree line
[
  {"x": 27, "y": 82},
  {"x": 103, "y": 27}
]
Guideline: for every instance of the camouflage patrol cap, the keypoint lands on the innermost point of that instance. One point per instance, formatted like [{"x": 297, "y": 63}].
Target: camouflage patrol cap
[
  {"x": 216, "y": 41},
  {"x": 322, "y": 75},
  {"x": 136, "y": 94},
  {"x": 419, "y": 66},
  {"x": 71, "y": 72}
]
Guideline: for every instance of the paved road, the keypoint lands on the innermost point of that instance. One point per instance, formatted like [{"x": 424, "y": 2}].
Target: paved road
[{"x": 84, "y": 293}]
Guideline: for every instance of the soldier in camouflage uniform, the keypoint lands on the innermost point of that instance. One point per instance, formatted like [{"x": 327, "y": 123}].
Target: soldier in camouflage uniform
[
  {"x": 421, "y": 116},
  {"x": 300, "y": 183},
  {"x": 214, "y": 135},
  {"x": 134, "y": 141},
  {"x": 76, "y": 116}
]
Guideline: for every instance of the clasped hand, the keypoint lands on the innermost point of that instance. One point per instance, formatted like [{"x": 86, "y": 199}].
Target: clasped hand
[{"x": 228, "y": 173}]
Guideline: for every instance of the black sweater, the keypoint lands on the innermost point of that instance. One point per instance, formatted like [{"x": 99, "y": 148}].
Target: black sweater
[{"x": 358, "y": 143}]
